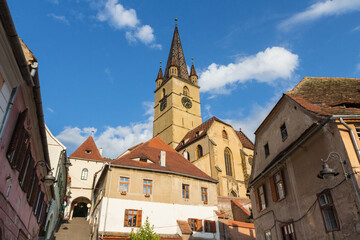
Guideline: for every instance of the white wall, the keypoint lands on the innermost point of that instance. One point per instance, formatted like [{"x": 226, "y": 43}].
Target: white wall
[{"x": 162, "y": 215}]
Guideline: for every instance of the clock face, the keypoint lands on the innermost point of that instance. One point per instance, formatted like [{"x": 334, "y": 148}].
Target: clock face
[
  {"x": 163, "y": 104},
  {"x": 186, "y": 102}
]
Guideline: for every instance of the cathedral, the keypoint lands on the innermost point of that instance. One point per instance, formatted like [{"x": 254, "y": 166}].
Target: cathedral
[{"x": 213, "y": 146}]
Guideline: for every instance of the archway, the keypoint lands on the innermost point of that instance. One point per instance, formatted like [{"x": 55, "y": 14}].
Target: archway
[{"x": 80, "y": 207}]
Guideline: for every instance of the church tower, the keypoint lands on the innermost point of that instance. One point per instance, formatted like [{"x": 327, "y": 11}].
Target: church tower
[{"x": 177, "y": 99}]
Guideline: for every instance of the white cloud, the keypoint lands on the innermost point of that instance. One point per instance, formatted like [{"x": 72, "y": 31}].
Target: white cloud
[
  {"x": 358, "y": 67},
  {"x": 54, "y": 1},
  {"x": 267, "y": 66},
  {"x": 122, "y": 18},
  {"x": 113, "y": 140},
  {"x": 50, "y": 110},
  {"x": 321, "y": 9},
  {"x": 108, "y": 74},
  {"x": 62, "y": 19},
  {"x": 355, "y": 29}
]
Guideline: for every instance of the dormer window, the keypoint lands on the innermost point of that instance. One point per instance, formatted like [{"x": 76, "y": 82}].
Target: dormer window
[
  {"x": 197, "y": 134},
  {"x": 87, "y": 151},
  {"x": 143, "y": 160},
  {"x": 224, "y": 134}
]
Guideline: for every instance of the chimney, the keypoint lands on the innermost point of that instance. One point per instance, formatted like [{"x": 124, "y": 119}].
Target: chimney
[
  {"x": 163, "y": 158},
  {"x": 100, "y": 151}
]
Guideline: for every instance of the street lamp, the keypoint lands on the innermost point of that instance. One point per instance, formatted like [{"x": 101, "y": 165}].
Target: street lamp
[
  {"x": 49, "y": 179},
  {"x": 328, "y": 173}
]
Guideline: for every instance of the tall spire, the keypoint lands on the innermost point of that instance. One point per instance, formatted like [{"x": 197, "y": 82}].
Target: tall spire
[
  {"x": 176, "y": 55},
  {"x": 192, "y": 71},
  {"x": 160, "y": 74}
]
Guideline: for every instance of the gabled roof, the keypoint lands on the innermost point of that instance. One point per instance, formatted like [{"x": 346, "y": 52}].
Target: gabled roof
[
  {"x": 176, "y": 56},
  {"x": 328, "y": 96},
  {"x": 88, "y": 150},
  {"x": 246, "y": 142},
  {"x": 201, "y": 131},
  {"x": 150, "y": 150}
]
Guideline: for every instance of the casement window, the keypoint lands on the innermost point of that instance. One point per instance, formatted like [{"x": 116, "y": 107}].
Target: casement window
[
  {"x": 277, "y": 186},
  {"x": 260, "y": 198},
  {"x": 210, "y": 226},
  {"x": 19, "y": 141},
  {"x": 204, "y": 195},
  {"x": 288, "y": 231},
  {"x": 357, "y": 128},
  {"x": 147, "y": 187},
  {"x": 195, "y": 224},
  {"x": 186, "y": 91},
  {"x": 42, "y": 213},
  {"x": 266, "y": 150},
  {"x": 38, "y": 203},
  {"x": 228, "y": 161},
  {"x": 124, "y": 184},
  {"x": 84, "y": 174},
  {"x": 328, "y": 211},
  {"x": 26, "y": 170},
  {"x": 132, "y": 218},
  {"x": 283, "y": 131},
  {"x": 224, "y": 134},
  {"x": 185, "y": 191},
  {"x": 268, "y": 235},
  {"x": 199, "y": 151},
  {"x": 33, "y": 193}
]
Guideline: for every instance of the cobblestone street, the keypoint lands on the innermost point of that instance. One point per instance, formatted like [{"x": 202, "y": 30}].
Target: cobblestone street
[{"x": 76, "y": 229}]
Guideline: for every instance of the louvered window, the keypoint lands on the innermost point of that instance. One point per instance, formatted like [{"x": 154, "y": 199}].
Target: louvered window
[{"x": 210, "y": 226}]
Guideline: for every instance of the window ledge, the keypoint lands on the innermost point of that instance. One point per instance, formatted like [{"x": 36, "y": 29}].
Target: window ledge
[
  {"x": 123, "y": 193},
  {"x": 147, "y": 195}
]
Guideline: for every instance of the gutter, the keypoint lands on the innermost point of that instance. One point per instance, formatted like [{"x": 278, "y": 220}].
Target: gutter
[
  {"x": 323, "y": 122},
  {"x": 25, "y": 72},
  {"x": 353, "y": 138}
]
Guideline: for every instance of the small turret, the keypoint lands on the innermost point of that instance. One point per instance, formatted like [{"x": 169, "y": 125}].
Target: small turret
[
  {"x": 160, "y": 78},
  {"x": 173, "y": 70},
  {"x": 193, "y": 76}
]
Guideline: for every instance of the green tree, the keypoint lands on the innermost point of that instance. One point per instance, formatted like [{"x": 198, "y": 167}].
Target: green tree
[{"x": 145, "y": 232}]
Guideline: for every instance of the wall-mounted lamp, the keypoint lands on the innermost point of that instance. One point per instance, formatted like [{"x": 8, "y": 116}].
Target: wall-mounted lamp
[
  {"x": 49, "y": 179},
  {"x": 67, "y": 163}
]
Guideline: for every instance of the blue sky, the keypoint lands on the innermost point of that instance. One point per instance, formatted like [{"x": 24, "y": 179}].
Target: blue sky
[{"x": 98, "y": 60}]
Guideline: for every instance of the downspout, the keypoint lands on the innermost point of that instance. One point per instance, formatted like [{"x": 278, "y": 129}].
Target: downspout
[
  {"x": 353, "y": 138},
  {"x": 356, "y": 146},
  {"x": 107, "y": 203},
  {"x": 8, "y": 111}
]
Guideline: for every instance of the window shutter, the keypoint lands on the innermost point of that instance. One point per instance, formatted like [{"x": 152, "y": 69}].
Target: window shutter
[
  {"x": 126, "y": 218},
  {"x": 28, "y": 175},
  {"x": 16, "y": 137},
  {"x": 23, "y": 148},
  {"x": 213, "y": 227},
  {"x": 199, "y": 225},
  {"x": 189, "y": 222},
  {"x": 273, "y": 189},
  {"x": 138, "y": 218},
  {"x": 257, "y": 199},
  {"x": 34, "y": 192},
  {"x": 264, "y": 190}
]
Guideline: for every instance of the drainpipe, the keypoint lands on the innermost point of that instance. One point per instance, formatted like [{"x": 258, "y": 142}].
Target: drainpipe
[
  {"x": 107, "y": 202},
  {"x": 353, "y": 138},
  {"x": 8, "y": 110}
]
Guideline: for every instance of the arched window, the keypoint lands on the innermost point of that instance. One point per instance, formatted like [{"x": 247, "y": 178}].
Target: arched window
[
  {"x": 233, "y": 193},
  {"x": 224, "y": 134},
  {"x": 228, "y": 158},
  {"x": 163, "y": 94},
  {"x": 199, "y": 151},
  {"x": 84, "y": 174},
  {"x": 186, "y": 155},
  {"x": 186, "y": 91}
]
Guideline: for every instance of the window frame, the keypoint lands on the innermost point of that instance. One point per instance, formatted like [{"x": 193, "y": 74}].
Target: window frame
[
  {"x": 225, "y": 135},
  {"x": 285, "y": 227},
  {"x": 197, "y": 222},
  {"x": 275, "y": 186},
  {"x": 326, "y": 206},
  {"x": 84, "y": 176},
  {"x": 127, "y": 184},
  {"x": 185, "y": 190},
  {"x": 186, "y": 91},
  {"x": 228, "y": 162},
  {"x": 268, "y": 235},
  {"x": 267, "y": 150},
  {"x": 209, "y": 226},
  {"x": 357, "y": 130},
  {"x": 138, "y": 217},
  {"x": 204, "y": 195},
  {"x": 283, "y": 131},
  {"x": 258, "y": 197},
  {"x": 147, "y": 186},
  {"x": 199, "y": 151}
]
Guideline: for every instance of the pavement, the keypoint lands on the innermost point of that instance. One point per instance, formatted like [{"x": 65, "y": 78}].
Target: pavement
[{"x": 76, "y": 229}]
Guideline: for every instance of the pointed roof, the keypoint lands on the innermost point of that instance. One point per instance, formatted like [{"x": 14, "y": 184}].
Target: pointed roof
[
  {"x": 246, "y": 142},
  {"x": 160, "y": 74},
  {"x": 192, "y": 71},
  {"x": 88, "y": 150},
  {"x": 176, "y": 55},
  {"x": 150, "y": 150}
]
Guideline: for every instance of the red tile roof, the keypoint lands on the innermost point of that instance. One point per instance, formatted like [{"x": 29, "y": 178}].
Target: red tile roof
[
  {"x": 201, "y": 130},
  {"x": 328, "y": 96},
  {"x": 246, "y": 142},
  {"x": 175, "y": 162},
  {"x": 221, "y": 214},
  {"x": 192, "y": 71},
  {"x": 88, "y": 145},
  {"x": 240, "y": 206},
  {"x": 184, "y": 227},
  {"x": 240, "y": 224}
]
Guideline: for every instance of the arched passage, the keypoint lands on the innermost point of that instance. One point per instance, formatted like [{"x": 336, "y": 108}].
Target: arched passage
[{"x": 79, "y": 207}]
